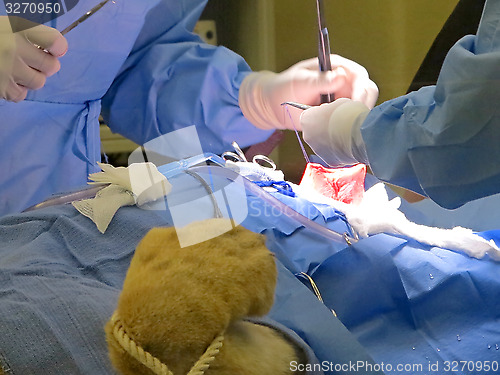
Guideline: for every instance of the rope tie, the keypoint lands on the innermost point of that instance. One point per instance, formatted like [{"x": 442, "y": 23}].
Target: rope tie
[{"x": 153, "y": 363}]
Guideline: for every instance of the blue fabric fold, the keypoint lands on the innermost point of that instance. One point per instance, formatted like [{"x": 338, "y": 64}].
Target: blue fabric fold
[{"x": 403, "y": 303}]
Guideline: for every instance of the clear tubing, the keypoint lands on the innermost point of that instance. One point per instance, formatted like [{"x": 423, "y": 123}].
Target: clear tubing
[
  {"x": 219, "y": 171},
  {"x": 269, "y": 198},
  {"x": 86, "y": 193}
]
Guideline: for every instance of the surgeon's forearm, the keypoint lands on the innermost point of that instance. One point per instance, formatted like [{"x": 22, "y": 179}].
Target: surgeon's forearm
[
  {"x": 487, "y": 39},
  {"x": 442, "y": 141}
]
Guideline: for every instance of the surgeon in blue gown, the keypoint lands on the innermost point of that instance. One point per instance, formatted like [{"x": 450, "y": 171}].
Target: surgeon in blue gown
[
  {"x": 440, "y": 141},
  {"x": 139, "y": 64}
]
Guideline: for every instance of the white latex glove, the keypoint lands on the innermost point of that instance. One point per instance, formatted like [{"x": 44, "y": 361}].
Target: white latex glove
[
  {"x": 333, "y": 131},
  {"x": 261, "y": 93},
  {"x": 24, "y": 66}
]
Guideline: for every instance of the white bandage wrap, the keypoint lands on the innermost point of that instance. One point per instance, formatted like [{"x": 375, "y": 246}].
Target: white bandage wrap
[{"x": 376, "y": 213}]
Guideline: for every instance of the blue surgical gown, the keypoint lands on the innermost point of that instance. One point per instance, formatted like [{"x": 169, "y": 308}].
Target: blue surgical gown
[
  {"x": 443, "y": 139},
  {"x": 139, "y": 63}
]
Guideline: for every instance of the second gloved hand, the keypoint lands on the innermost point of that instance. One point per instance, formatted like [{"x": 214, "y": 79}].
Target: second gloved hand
[
  {"x": 333, "y": 130},
  {"x": 262, "y": 93},
  {"x": 27, "y": 57}
]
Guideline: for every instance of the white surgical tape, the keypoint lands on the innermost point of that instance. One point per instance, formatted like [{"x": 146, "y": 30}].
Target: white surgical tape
[
  {"x": 254, "y": 171},
  {"x": 139, "y": 183}
]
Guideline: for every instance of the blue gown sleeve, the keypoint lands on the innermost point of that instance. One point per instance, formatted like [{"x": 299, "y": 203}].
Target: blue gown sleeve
[
  {"x": 442, "y": 141},
  {"x": 172, "y": 80}
]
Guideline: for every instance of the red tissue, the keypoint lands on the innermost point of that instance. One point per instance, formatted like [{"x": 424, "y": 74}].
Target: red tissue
[{"x": 342, "y": 184}]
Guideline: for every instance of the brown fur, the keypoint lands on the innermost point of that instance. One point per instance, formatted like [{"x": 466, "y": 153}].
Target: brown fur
[{"x": 175, "y": 301}]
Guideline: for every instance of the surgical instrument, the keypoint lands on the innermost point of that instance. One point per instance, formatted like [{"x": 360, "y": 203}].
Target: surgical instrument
[
  {"x": 78, "y": 21},
  {"x": 297, "y": 105},
  {"x": 86, "y": 16},
  {"x": 239, "y": 156},
  {"x": 324, "y": 48}
]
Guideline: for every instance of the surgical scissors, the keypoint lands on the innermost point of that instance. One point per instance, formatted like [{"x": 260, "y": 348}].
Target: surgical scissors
[
  {"x": 325, "y": 63},
  {"x": 239, "y": 156}
]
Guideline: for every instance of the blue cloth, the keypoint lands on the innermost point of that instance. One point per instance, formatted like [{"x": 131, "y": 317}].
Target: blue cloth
[
  {"x": 415, "y": 308},
  {"x": 60, "y": 281},
  {"x": 479, "y": 215},
  {"x": 407, "y": 304},
  {"x": 444, "y": 138},
  {"x": 153, "y": 76}
]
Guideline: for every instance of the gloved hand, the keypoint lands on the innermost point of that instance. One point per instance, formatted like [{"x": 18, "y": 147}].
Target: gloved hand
[
  {"x": 261, "y": 93},
  {"x": 27, "y": 57},
  {"x": 333, "y": 130}
]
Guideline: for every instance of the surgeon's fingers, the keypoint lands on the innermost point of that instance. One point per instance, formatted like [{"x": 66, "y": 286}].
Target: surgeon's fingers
[
  {"x": 48, "y": 38},
  {"x": 28, "y": 77},
  {"x": 372, "y": 93},
  {"x": 315, "y": 123},
  {"x": 309, "y": 84},
  {"x": 311, "y": 64},
  {"x": 314, "y": 120},
  {"x": 359, "y": 86},
  {"x": 365, "y": 91},
  {"x": 322, "y": 82},
  {"x": 37, "y": 59},
  {"x": 14, "y": 92},
  {"x": 351, "y": 66}
]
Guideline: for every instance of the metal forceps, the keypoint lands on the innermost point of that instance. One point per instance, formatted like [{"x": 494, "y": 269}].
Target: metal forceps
[
  {"x": 324, "y": 47},
  {"x": 266, "y": 177},
  {"x": 297, "y": 105},
  {"x": 77, "y": 22},
  {"x": 239, "y": 156},
  {"x": 86, "y": 16}
]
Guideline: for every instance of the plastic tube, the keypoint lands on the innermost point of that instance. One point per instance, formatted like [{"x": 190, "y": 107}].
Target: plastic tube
[
  {"x": 219, "y": 170},
  {"x": 85, "y": 193},
  {"x": 275, "y": 202}
]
